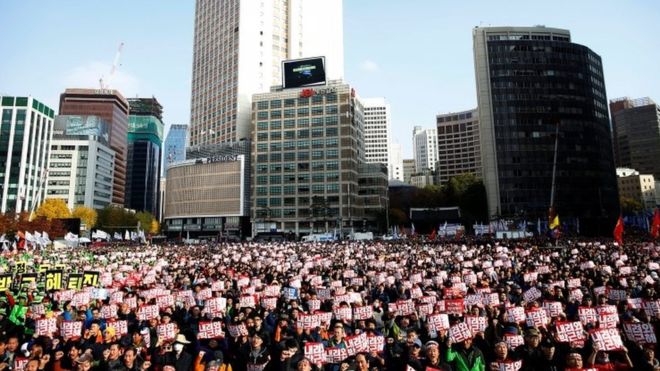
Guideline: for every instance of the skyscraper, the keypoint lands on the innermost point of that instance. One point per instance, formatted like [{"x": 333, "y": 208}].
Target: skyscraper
[
  {"x": 531, "y": 83},
  {"x": 112, "y": 107},
  {"x": 238, "y": 50},
  {"x": 425, "y": 149},
  {"x": 26, "y": 130},
  {"x": 145, "y": 138},
  {"x": 636, "y": 126},
  {"x": 458, "y": 144},
  {"x": 175, "y": 146},
  {"x": 377, "y": 131}
]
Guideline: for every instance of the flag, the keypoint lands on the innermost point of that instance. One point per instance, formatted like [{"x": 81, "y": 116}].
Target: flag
[
  {"x": 655, "y": 226},
  {"x": 20, "y": 236},
  {"x": 102, "y": 234},
  {"x": 432, "y": 235},
  {"x": 412, "y": 229},
  {"x": 618, "y": 231},
  {"x": 554, "y": 222}
]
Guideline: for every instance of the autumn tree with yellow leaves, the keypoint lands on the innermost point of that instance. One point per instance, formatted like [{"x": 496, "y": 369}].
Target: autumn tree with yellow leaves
[
  {"x": 87, "y": 215},
  {"x": 53, "y": 208}
]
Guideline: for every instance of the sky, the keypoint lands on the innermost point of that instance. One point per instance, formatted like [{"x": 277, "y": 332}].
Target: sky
[{"x": 416, "y": 53}]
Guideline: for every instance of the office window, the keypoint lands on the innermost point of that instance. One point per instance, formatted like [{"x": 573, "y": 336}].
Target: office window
[{"x": 276, "y": 190}]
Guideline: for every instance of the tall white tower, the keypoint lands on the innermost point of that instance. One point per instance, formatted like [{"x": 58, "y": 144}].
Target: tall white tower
[
  {"x": 395, "y": 169},
  {"x": 239, "y": 47},
  {"x": 377, "y": 131},
  {"x": 425, "y": 147}
]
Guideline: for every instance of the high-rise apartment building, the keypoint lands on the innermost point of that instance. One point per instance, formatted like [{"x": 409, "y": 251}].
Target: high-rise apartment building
[
  {"x": 425, "y": 149},
  {"x": 531, "y": 82},
  {"x": 81, "y": 167},
  {"x": 377, "y": 131},
  {"x": 174, "y": 149},
  {"x": 636, "y": 126},
  {"x": 112, "y": 107},
  {"x": 458, "y": 144},
  {"x": 26, "y": 130},
  {"x": 145, "y": 139},
  {"x": 238, "y": 50}
]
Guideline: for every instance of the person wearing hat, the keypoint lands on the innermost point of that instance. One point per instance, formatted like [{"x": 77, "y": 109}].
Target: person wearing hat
[
  {"x": 413, "y": 355},
  {"x": 501, "y": 354},
  {"x": 176, "y": 355},
  {"x": 433, "y": 359},
  {"x": 529, "y": 352},
  {"x": 574, "y": 361}
]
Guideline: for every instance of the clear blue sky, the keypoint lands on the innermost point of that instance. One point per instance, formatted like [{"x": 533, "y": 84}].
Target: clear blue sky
[{"x": 417, "y": 54}]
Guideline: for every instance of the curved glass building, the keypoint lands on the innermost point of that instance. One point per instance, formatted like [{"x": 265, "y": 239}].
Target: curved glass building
[{"x": 531, "y": 80}]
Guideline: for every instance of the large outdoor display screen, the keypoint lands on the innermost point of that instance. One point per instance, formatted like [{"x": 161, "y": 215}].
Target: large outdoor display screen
[{"x": 303, "y": 72}]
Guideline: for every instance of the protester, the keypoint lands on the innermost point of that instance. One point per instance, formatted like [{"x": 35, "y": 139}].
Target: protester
[{"x": 381, "y": 305}]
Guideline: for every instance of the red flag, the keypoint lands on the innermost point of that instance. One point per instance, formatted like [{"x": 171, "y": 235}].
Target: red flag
[
  {"x": 655, "y": 227},
  {"x": 618, "y": 231},
  {"x": 21, "y": 240},
  {"x": 432, "y": 235}
]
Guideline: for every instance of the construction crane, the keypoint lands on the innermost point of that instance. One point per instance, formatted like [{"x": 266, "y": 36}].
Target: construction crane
[{"x": 115, "y": 63}]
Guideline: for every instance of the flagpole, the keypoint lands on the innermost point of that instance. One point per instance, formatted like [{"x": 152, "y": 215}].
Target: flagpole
[
  {"x": 554, "y": 178},
  {"x": 554, "y": 168}
]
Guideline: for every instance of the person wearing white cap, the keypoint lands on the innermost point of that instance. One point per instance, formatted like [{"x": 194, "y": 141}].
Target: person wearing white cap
[
  {"x": 433, "y": 360},
  {"x": 178, "y": 357}
]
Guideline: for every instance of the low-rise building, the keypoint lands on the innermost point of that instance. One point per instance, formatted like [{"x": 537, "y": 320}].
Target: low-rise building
[{"x": 636, "y": 186}]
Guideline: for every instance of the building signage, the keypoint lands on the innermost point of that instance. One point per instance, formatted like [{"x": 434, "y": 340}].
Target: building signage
[{"x": 307, "y": 93}]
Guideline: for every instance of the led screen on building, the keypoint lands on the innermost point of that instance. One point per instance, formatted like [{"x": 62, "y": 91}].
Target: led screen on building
[{"x": 303, "y": 72}]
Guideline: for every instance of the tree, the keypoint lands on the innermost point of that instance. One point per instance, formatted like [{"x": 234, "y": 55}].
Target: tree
[
  {"x": 54, "y": 208},
  {"x": 155, "y": 227},
  {"x": 145, "y": 218},
  {"x": 398, "y": 217},
  {"x": 458, "y": 185},
  {"x": 114, "y": 218},
  {"x": 474, "y": 203},
  {"x": 630, "y": 205},
  {"x": 55, "y": 228},
  {"x": 86, "y": 215}
]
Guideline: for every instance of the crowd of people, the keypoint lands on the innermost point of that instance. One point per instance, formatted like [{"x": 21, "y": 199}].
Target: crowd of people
[{"x": 336, "y": 306}]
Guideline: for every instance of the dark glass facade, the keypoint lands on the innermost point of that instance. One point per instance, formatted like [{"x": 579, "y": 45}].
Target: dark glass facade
[
  {"x": 636, "y": 125},
  {"x": 143, "y": 180},
  {"x": 536, "y": 84}
]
